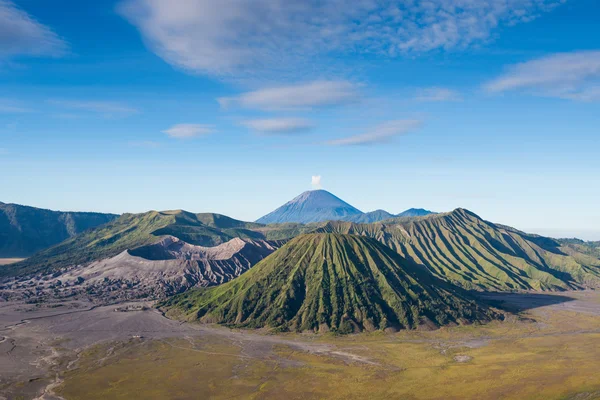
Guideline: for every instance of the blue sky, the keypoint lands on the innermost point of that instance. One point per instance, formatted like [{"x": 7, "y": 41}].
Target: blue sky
[{"x": 232, "y": 106}]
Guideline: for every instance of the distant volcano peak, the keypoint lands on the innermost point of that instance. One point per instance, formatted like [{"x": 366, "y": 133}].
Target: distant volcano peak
[
  {"x": 320, "y": 205},
  {"x": 311, "y": 206}
]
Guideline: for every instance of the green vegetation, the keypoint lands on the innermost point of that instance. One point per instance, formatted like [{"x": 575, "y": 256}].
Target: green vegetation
[
  {"x": 128, "y": 232},
  {"x": 458, "y": 247},
  {"x": 461, "y": 248},
  {"x": 287, "y": 230},
  {"x": 25, "y": 230},
  {"x": 322, "y": 282},
  {"x": 589, "y": 248}
]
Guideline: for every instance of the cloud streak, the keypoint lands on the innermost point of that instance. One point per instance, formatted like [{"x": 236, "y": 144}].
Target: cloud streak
[
  {"x": 237, "y": 36},
  {"x": 145, "y": 144},
  {"x": 11, "y": 107},
  {"x": 380, "y": 134},
  {"x": 279, "y": 125},
  {"x": 437, "y": 94},
  {"x": 300, "y": 96},
  {"x": 574, "y": 76},
  {"x": 22, "y": 35},
  {"x": 188, "y": 131},
  {"x": 101, "y": 107}
]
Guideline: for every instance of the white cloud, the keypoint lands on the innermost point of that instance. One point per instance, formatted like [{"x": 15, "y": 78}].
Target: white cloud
[
  {"x": 186, "y": 131},
  {"x": 380, "y": 134},
  {"x": 101, "y": 107},
  {"x": 235, "y": 36},
  {"x": 308, "y": 95},
  {"x": 316, "y": 182},
  {"x": 574, "y": 76},
  {"x": 279, "y": 125},
  {"x": 22, "y": 35},
  {"x": 437, "y": 94}
]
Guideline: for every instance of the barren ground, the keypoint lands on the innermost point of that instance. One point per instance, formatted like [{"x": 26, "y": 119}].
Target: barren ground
[{"x": 74, "y": 350}]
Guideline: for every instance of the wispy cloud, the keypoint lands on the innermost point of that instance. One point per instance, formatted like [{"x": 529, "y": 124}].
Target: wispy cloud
[
  {"x": 574, "y": 76},
  {"x": 22, "y": 35},
  {"x": 437, "y": 94},
  {"x": 11, "y": 107},
  {"x": 187, "y": 131},
  {"x": 101, "y": 107},
  {"x": 300, "y": 96},
  {"x": 236, "y": 36},
  {"x": 279, "y": 125},
  {"x": 70, "y": 116},
  {"x": 380, "y": 134},
  {"x": 145, "y": 144}
]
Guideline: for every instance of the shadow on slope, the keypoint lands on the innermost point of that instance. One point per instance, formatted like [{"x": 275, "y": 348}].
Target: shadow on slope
[{"x": 519, "y": 302}]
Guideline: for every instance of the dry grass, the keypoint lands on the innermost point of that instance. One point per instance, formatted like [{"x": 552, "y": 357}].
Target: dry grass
[{"x": 555, "y": 357}]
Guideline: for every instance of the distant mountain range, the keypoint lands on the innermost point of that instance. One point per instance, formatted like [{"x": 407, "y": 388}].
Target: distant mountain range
[
  {"x": 174, "y": 247},
  {"x": 26, "y": 230},
  {"x": 320, "y": 205},
  {"x": 341, "y": 270},
  {"x": 159, "y": 254}
]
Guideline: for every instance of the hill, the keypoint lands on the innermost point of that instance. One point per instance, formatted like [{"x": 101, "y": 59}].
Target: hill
[
  {"x": 166, "y": 267},
  {"x": 589, "y": 248},
  {"x": 26, "y": 230},
  {"x": 311, "y": 206},
  {"x": 462, "y": 248},
  {"x": 414, "y": 212},
  {"x": 322, "y": 282},
  {"x": 370, "y": 217},
  {"x": 131, "y": 231}
]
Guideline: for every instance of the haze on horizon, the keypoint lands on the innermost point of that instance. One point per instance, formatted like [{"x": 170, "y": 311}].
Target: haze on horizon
[{"x": 130, "y": 105}]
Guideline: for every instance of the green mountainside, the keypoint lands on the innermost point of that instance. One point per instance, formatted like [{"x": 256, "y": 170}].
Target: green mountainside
[
  {"x": 130, "y": 231},
  {"x": 461, "y": 248},
  {"x": 25, "y": 230},
  {"x": 589, "y": 248},
  {"x": 458, "y": 247},
  {"x": 322, "y": 282}
]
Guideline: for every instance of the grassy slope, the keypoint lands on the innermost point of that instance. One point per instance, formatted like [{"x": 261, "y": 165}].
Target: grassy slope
[
  {"x": 330, "y": 281},
  {"x": 462, "y": 248},
  {"x": 589, "y": 248},
  {"x": 458, "y": 247},
  {"x": 25, "y": 230},
  {"x": 128, "y": 232}
]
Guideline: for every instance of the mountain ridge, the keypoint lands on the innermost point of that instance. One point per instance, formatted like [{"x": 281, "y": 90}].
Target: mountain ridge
[
  {"x": 321, "y": 205},
  {"x": 323, "y": 282},
  {"x": 468, "y": 251},
  {"x": 24, "y": 230},
  {"x": 458, "y": 247},
  {"x": 130, "y": 231}
]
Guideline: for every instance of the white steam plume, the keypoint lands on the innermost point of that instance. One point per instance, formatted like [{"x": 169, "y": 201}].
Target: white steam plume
[{"x": 316, "y": 182}]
